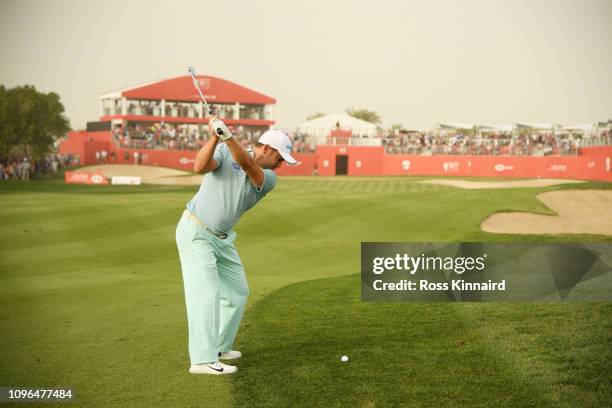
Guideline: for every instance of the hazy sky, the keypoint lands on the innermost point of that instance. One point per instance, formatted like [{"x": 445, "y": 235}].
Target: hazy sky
[{"x": 414, "y": 62}]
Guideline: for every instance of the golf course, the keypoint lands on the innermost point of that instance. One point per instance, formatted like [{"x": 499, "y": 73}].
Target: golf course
[{"x": 91, "y": 297}]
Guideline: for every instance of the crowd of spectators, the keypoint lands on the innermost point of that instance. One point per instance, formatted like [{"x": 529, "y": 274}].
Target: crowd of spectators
[
  {"x": 252, "y": 112},
  {"x": 169, "y": 136},
  {"x": 26, "y": 169},
  {"x": 188, "y": 110},
  {"x": 157, "y": 137},
  {"x": 500, "y": 143},
  {"x": 301, "y": 145}
]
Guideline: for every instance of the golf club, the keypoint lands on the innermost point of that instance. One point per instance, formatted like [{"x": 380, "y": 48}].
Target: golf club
[
  {"x": 197, "y": 87},
  {"x": 219, "y": 126}
]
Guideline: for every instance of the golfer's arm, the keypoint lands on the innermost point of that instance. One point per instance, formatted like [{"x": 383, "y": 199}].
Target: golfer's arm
[
  {"x": 204, "y": 161},
  {"x": 246, "y": 162}
]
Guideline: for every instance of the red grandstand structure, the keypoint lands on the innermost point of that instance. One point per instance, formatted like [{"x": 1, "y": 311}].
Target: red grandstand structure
[{"x": 163, "y": 124}]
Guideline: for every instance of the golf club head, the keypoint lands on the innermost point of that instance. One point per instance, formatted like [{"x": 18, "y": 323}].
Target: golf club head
[{"x": 193, "y": 76}]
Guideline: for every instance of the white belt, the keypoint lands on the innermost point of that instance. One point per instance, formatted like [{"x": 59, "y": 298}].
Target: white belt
[{"x": 196, "y": 220}]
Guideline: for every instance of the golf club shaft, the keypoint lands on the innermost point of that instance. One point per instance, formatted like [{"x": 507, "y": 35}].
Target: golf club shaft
[{"x": 197, "y": 87}]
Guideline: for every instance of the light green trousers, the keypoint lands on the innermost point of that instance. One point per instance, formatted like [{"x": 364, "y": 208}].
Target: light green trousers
[{"x": 216, "y": 290}]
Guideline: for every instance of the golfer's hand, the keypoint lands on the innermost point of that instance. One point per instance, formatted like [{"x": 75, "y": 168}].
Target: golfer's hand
[
  {"x": 219, "y": 128},
  {"x": 211, "y": 129}
]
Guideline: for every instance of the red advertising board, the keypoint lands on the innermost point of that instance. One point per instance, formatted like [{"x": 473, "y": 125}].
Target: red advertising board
[
  {"x": 593, "y": 163},
  {"x": 570, "y": 167},
  {"x": 83, "y": 177}
]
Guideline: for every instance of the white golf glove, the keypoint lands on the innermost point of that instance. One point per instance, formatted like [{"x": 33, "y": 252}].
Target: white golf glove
[{"x": 221, "y": 129}]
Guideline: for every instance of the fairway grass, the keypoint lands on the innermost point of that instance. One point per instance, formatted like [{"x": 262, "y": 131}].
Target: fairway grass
[
  {"x": 91, "y": 297},
  {"x": 420, "y": 354}
]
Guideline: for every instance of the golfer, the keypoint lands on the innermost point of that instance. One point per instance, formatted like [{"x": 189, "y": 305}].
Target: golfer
[{"x": 215, "y": 284}]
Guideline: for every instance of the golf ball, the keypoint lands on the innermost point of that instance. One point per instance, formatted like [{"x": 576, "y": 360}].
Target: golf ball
[{"x": 344, "y": 358}]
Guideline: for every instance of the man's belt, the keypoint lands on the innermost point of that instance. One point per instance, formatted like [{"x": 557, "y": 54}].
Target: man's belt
[{"x": 196, "y": 220}]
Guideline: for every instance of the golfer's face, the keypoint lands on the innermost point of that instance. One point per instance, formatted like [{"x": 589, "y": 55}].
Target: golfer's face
[{"x": 275, "y": 159}]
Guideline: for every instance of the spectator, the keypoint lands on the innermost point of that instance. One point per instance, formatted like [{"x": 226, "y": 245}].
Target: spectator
[{"x": 25, "y": 169}]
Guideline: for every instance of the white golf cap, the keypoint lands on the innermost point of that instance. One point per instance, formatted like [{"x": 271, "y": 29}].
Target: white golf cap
[{"x": 279, "y": 141}]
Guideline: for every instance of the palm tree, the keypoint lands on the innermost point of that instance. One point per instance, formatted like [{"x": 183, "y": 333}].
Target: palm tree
[{"x": 364, "y": 114}]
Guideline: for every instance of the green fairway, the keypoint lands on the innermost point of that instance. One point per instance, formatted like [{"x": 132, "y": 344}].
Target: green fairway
[
  {"x": 91, "y": 297},
  {"x": 420, "y": 354}
]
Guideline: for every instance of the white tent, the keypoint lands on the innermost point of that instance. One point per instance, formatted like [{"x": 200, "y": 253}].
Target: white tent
[
  {"x": 535, "y": 126},
  {"x": 322, "y": 127},
  {"x": 495, "y": 128},
  {"x": 455, "y": 126},
  {"x": 575, "y": 128}
]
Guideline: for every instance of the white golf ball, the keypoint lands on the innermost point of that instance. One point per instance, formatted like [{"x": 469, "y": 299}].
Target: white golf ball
[{"x": 344, "y": 358}]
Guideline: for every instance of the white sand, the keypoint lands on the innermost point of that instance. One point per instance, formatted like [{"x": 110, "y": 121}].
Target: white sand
[
  {"x": 579, "y": 212},
  {"x": 471, "y": 185}
]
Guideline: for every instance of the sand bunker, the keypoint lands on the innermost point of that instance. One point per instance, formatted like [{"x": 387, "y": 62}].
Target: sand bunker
[
  {"x": 579, "y": 212},
  {"x": 471, "y": 185},
  {"x": 148, "y": 174}
]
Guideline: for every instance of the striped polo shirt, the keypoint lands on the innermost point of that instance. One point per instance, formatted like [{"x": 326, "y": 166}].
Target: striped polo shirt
[{"x": 227, "y": 192}]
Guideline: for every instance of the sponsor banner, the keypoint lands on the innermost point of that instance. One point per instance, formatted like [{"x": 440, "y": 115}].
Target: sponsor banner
[
  {"x": 560, "y": 167},
  {"x": 451, "y": 166},
  {"x": 76, "y": 177},
  {"x": 126, "y": 180},
  {"x": 570, "y": 167},
  {"x": 83, "y": 177},
  {"x": 499, "y": 167},
  {"x": 97, "y": 178},
  {"x": 483, "y": 271}
]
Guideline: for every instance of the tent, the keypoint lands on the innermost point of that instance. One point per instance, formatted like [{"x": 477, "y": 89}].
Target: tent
[{"x": 322, "y": 127}]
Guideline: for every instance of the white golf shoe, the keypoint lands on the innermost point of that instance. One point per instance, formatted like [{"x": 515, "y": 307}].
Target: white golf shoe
[
  {"x": 230, "y": 355},
  {"x": 217, "y": 368}
]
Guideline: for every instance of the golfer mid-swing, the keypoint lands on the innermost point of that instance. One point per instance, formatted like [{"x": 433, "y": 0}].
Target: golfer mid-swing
[{"x": 216, "y": 289}]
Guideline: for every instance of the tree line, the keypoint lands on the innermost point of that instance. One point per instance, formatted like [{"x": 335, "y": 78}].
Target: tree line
[{"x": 30, "y": 122}]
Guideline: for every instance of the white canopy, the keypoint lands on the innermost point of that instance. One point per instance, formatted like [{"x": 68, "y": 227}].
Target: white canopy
[
  {"x": 535, "y": 126},
  {"x": 321, "y": 127},
  {"x": 455, "y": 126},
  {"x": 496, "y": 128},
  {"x": 576, "y": 128}
]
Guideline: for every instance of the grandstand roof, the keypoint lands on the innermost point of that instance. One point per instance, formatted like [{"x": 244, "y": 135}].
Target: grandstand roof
[
  {"x": 216, "y": 90},
  {"x": 455, "y": 126},
  {"x": 538, "y": 126},
  {"x": 325, "y": 124},
  {"x": 581, "y": 128},
  {"x": 496, "y": 128}
]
